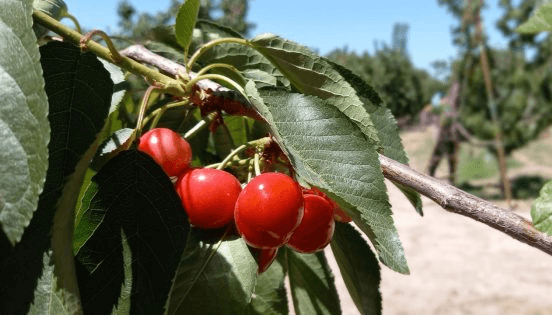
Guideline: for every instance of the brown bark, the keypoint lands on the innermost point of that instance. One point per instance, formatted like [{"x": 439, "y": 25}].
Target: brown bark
[{"x": 457, "y": 201}]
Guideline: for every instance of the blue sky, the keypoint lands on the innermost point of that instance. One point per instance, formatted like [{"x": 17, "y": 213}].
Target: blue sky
[{"x": 326, "y": 24}]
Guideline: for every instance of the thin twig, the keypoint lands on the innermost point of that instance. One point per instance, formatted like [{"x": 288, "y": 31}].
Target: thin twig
[
  {"x": 457, "y": 201},
  {"x": 142, "y": 54}
]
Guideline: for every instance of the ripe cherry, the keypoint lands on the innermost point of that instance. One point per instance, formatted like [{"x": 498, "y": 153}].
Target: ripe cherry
[
  {"x": 265, "y": 258},
  {"x": 208, "y": 196},
  {"x": 340, "y": 215},
  {"x": 316, "y": 228},
  {"x": 168, "y": 149},
  {"x": 268, "y": 209}
]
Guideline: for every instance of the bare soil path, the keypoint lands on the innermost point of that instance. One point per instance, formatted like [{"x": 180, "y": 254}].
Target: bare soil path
[{"x": 460, "y": 266}]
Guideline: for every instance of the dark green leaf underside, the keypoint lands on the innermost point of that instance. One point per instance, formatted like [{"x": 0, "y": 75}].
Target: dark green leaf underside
[
  {"x": 359, "y": 268},
  {"x": 312, "y": 284},
  {"x": 130, "y": 193}
]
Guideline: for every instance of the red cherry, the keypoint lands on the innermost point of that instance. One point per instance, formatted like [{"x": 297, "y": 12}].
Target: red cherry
[
  {"x": 339, "y": 214},
  {"x": 168, "y": 149},
  {"x": 316, "y": 228},
  {"x": 265, "y": 257},
  {"x": 208, "y": 196},
  {"x": 268, "y": 209}
]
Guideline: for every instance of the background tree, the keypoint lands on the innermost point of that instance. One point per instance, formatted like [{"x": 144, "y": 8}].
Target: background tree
[
  {"x": 404, "y": 88},
  {"x": 515, "y": 108},
  {"x": 232, "y": 13}
]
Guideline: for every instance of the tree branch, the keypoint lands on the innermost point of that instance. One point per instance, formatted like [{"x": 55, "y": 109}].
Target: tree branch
[
  {"x": 457, "y": 201},
  {"x": 449, "y": 197},
  {"x": 142, "y": 54}
]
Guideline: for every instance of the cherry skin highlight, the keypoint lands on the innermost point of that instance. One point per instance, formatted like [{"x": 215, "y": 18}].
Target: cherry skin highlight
[
  {"x": 268, "y": 209},
  {"x": 208, "y": 196}
]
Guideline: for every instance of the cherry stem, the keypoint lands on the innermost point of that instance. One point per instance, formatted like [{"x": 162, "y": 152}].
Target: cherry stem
[
  {"x": 200, "y": 125},
  {"x": 143, "y": 106},
  {"x": 75, "y": 21},
  {"x": 193, "y": 81},
  {"x": 171, "y": 85},
  {"x": 250, "y": 171},
  {"x": 256, "y": 164},
  {"x": 160, "y": 111},
  {"x": 211, "y": 44},
  {"x": 219, "y": 65},
  {"x": 113, "y": 51},
  {"x": 231, "y": 155}
]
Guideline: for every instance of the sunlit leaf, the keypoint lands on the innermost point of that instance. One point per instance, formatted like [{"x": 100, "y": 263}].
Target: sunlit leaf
[
  {"x": 386, "y": 125},
  {"x": 79, "y": 91},
  {"x": 251, "y": 64},
  {"x": 329, "y": 151},
  {"x": 185, "y": 21},
  {"x": 541, "y": 21},
  {"x": 541, "y": 210},
  {"x": 312, "y": 75},
  {"x": 213, "y": 278},
  {"x": 48, "y": 299},
  {"x": 24, "y": 127}
]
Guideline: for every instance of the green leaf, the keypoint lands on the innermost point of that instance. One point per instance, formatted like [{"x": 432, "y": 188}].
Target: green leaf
[
  {"x": 79, "y": 91},
  {"x": 54, "y": 8},
  {"x": 124, "y": 302},
  {"x": 24, "y": 127},
  {"x": 541, "y": 210},
  {"x": 269, "y": 296},
  {"x": 329, "y": 151},
  {"x": 185, "y": 21},
  {"x": 110, "y": 147},
  {"x": 386, "y": 125},
  {"x": 133, "y": 194},
  {"x": 206, "y": 31},
  {"x": 312, "y": 284},
  {"x": 541, "y": 21},
  {"x": 47, "y": 299},
  {"x": 211, "y": 280},
  {"x": 252, "y": 64},
  {"x": 359, "y": 268},
  {"x": 312, "y": 75},
  {"x": 119, "y": 84},
  {"x": 232, "y": 134}
]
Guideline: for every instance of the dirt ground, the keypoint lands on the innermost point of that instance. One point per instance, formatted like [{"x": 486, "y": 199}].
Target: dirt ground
[{"x": 458, "y": 265}]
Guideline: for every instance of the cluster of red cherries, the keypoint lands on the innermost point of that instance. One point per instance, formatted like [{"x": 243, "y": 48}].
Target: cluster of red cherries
[{"x": 271, "y": 211}]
